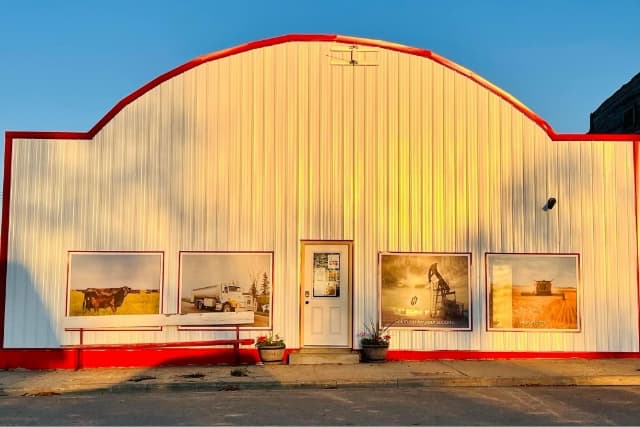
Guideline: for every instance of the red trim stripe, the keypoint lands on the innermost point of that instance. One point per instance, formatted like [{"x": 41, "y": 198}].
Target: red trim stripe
[
  {"x": 120, "y": 358},
  {"x": 145, "y": 358},
  {"x": 501, "y": 355},
  {"x": 636, "y": 182},
  {"x": 4, "y": 229}
]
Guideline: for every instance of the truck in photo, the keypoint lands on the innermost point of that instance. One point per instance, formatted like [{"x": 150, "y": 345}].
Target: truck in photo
[{"x": 225, "y": 297}]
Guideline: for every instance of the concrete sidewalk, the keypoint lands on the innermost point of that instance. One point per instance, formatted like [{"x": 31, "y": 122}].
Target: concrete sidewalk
[{"x": 442, "y": 373}]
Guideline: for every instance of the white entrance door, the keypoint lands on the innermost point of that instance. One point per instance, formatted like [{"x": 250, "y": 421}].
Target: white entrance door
[{"x": 326, "y": 294}]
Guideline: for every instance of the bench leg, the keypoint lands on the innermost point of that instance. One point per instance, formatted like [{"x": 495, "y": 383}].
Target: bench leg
[
  {"x": 236, "y": 352},
  {"x": 78, "y": 361},
  {"x": 78, "y": 356},
  {"x": 236, "y": 346}
]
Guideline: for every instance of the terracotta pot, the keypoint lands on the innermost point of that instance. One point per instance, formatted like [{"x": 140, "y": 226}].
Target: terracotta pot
[
  {"x": 271, "y": 354},
  {"x": 374, "y": 352}
]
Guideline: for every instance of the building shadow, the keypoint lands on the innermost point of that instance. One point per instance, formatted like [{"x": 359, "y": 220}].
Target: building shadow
[{"x": 29, "y": 333}]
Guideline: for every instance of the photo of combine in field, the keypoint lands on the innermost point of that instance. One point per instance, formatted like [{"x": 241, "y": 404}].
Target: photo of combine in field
[
  {"x": 533, "y": 291},
  {"x": 114, "y": 283}
]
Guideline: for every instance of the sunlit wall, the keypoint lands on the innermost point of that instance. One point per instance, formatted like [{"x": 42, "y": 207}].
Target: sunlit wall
[{"x": 262, "y": 149}]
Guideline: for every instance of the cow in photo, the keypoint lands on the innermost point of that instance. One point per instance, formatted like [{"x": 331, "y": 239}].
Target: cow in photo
[{"x": 97, "y": 298}]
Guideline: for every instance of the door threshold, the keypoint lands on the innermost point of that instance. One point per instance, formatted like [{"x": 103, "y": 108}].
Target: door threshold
[
  {"x": 324, "y": 356},
  {"x": 326, "y": 350}
]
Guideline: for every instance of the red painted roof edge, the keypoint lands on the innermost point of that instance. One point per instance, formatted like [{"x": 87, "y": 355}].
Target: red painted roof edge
[
  {"x": 324, "y": 37},
  {"x": 4, "y": 231}
]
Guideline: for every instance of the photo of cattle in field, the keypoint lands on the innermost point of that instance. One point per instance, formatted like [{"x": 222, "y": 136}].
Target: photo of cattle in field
[
  {"x": 95, "y": 298},
  {"x": 533, "y": 292},
  {"x": 114, "y": 283}
]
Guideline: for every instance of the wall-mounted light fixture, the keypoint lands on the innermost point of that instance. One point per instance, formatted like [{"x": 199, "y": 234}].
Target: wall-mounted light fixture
[{"x": 550, "y": 204}]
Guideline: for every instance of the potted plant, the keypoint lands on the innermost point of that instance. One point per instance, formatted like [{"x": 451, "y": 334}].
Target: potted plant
[
  {"x": 375, "y": 342},
  {"x": 270, "y": 347}
]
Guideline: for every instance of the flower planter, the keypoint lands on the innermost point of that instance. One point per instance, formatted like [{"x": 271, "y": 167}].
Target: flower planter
[
  {"x": 271, "y": 353},
  {"x": 374, "y": 352}
]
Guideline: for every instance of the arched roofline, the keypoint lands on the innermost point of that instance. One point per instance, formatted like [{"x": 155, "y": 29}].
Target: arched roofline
[{"x": 322, "y": 38}]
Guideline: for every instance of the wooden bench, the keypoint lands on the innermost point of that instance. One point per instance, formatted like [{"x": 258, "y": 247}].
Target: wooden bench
[{"x": 235, "y": 342}]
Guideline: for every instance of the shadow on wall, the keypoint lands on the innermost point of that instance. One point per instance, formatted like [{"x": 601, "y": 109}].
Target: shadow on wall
[
  {"x": 66, "y": 209},
  {"x": 28, "y": 326}
]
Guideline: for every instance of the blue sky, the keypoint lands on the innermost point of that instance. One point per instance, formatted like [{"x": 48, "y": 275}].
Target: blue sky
[
  {"x": 64, "y": 64},
  {"x": 113, "y": 270},
  {"x": 205, "y": 269}
]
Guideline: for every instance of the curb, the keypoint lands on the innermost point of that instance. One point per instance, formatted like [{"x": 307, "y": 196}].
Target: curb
[{"x": 602, "y": 380}]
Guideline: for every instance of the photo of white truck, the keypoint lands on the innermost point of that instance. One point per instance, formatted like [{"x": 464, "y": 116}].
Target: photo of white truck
[
  {"x": 226, "y": 297},
  {"x": 232, "y": 284}
]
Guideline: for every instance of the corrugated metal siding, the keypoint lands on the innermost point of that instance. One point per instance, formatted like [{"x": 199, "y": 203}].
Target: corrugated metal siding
[{"x": 262, "y": 149}]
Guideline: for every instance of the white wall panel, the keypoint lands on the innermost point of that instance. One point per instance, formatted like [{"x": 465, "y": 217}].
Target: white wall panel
[{"x": 265, "y": 148}]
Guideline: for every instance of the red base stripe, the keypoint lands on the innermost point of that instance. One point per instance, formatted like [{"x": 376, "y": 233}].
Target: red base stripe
[
  {"x": 121, "y": 358},
  {"x": 406, "y": 355},
  {"x": 144, "y": 358}
]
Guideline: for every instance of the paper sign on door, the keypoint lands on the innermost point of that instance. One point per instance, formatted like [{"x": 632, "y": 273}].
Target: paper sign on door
[{"x": 326, "y": 274}]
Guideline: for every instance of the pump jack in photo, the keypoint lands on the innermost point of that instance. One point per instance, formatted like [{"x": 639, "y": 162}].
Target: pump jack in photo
[
  {"x": 425, "y": 290},
  {"x": 443, "y": 298}
]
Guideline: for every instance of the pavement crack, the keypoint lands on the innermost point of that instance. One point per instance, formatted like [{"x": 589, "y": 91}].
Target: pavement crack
[
  {"x": 196, "y": 375},
  {"x": 239, "y": 372},
  {"x": 454, "y": 368},
  {"x": 139, "y": 378},
  {"x": 427, "y": 374},
  {"x": 41, "y": 394}
]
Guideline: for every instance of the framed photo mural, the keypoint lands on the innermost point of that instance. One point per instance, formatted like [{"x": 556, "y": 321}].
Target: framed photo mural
[
  {"x": 425, "y": 290},
  {"x": 229, "y": 283},
  {"x": 114, "y": 283},
  {"x": 533, "y": 292}
]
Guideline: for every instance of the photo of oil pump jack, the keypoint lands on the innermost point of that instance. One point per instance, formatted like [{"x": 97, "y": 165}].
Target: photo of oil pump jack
[
  {"x": 425, "y": 290},
  {"x": 443, "y": 298}
]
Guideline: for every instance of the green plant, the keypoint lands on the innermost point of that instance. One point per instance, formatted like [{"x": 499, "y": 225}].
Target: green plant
[
  {"x": 270, "y": 340},
  {"x": 374, "y": 334}
]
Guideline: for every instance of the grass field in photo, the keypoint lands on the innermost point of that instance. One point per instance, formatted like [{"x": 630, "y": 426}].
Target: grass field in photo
[{"x": 136, "y": 302}]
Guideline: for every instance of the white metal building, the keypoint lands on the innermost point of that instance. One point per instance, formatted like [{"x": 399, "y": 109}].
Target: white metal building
[{"x": 300, "y": 142}]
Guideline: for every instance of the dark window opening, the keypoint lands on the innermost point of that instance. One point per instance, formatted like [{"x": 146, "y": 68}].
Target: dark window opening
[{"x": 629, "y": 118}]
